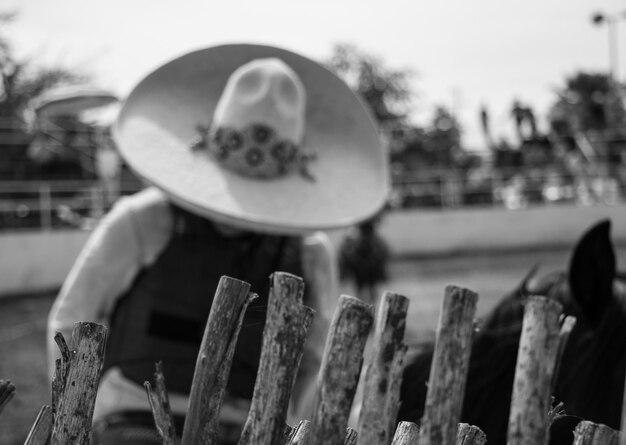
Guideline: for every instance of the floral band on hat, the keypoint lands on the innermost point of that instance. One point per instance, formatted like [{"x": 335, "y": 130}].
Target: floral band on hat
[{"x": 254, "y": 151}]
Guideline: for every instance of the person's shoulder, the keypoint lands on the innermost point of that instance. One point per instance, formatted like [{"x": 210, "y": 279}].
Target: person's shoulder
[
  {"x": 318, "y": 245},
  {"x": 149, "y": 202},
  {"x": 149, "y": 210},
  {"x": 147, "y": 199},
  {"x": 319, "y": 240}
]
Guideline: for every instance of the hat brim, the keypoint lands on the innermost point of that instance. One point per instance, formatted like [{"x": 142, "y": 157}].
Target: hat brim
[{"x": 158, "y": 122}]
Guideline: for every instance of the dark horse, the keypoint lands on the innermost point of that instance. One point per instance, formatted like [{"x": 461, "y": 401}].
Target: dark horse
[{"x": 590, "y": 382}]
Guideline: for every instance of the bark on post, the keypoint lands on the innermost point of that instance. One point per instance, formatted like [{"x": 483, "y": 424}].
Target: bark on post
[
  {"x": 284, "y": 336},
  {"x": 407, "y": 433},
  {"x": 448, "y": 372},
  {"x": 300, "y": 434},
  {"x": 382, "y": 378},
  {"x": 214, "y": 360},
  {"x": 590, "y": 433},
  {"x": 340, "y": 370},
  {"x": 536, "y": 357},
  {"x": 41, "y": 429},
  {"x": 60, "y": 370},
  {"x": 351, "y": 437},
  {"x": 73, "y": 416},
  {"x": 470, "y": 435},
  {"x": 288, "y": 431},
  {"x": 7, "y": 391},
  {"x": 160, "y": 405}
]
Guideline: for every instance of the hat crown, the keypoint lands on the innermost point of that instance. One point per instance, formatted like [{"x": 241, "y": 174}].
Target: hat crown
[{"x": 264, "y": 91}]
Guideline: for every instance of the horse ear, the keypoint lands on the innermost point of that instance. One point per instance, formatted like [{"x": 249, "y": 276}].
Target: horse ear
[{"x": 592, "y": 271}]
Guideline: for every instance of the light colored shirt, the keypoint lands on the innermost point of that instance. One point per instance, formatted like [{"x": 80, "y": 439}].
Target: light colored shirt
[{"x": 130, "y": 237}]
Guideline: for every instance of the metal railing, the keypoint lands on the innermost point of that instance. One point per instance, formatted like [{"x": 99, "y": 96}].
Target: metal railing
[
  {"x": 49, "y": 205},
  {"x": 513, "y": 190},
  {"x": 46, "y": 205}
]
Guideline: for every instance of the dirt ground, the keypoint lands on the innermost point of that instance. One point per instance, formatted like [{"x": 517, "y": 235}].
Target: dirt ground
[{"x": 23, "y": 319}]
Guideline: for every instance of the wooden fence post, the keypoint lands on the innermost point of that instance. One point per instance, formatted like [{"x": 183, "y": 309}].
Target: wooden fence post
[
  {"x": 74, "y": 413},
  {"x": 407, "y": 433},
  {"x": 214, "y": 361},
  {"x": 381, "y": 390},
  {"x": 160, "y": 405},
  {"x": 536, "y": 360},
  {"x": 300, "y": 434},
  {"x": 470, "y": 435},
  {"x": 284, "y": 336},
  {"x": 351, "y": 437},
  {"x": 7, "y": 391},
  {"x": 448, "y": 372},
  {"x": 42, "y": 428},
  {"x": 340, "y": 370},
  {"x": 590, "y": 433}
]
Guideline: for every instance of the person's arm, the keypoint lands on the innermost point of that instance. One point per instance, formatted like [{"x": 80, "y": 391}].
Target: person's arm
[
  {"x": 103, "y": 270},
  {"x": 320, "y": 275}
]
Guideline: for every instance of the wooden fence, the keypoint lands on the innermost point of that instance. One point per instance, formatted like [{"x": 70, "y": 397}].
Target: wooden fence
[{"x": 544, "y": 333}]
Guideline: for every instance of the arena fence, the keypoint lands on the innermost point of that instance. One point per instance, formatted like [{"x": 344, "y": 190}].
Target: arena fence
[
  {"x": 62, "y": 204},
  {"x": 68, "y": 418}
]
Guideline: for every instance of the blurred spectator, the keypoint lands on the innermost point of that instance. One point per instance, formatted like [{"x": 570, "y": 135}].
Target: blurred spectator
[
  {"x": 363, "y": 260},
  {"x": 512, "y": 194}
]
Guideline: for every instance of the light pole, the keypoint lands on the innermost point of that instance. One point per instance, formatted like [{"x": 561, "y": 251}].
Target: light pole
[
  {"x": 615, "y": 94},
  {"x": 611, "y": 21}
]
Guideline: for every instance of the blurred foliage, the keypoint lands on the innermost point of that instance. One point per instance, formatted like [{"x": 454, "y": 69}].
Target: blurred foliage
[
  {"x": 388, "y": 93},
  {"x": 23, "y": 80},
  {"x": 587, "y": 102}
]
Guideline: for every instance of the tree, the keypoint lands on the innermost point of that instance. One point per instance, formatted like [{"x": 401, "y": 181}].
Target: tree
[
  {"x": 444, "y": 136},
  {"x": 21, "y": 80},
  {"x": 587, "y": 102},
  {"x": 385, "y": 90},
  {"x": 417, "y": 155}
]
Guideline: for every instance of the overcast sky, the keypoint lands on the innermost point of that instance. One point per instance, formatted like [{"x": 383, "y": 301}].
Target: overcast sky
[{"x": 464, "y": 52}]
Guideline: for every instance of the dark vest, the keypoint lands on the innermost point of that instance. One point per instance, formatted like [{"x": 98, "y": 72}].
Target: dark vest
[{"x": 163, "y": 316}]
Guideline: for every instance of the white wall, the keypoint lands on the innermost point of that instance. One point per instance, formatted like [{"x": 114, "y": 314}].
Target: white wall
[
  {"x": 457, "y": 231},
  {"x": 33, "y": 261}
]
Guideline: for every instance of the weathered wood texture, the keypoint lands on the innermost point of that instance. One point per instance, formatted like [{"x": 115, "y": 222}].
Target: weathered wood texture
[
  {"x": 74, "y": 413},
  {"x": 214, "y": 361},
  {"x": 589, "y": 433},
  {"x": 381, "y": 390},
  {"x": 448, "y": 372},
  {"x": 42, "y": 428},
  {"x": 407, "y": 433},
  {"x": 160, "y": 405},
  {"x": 340, "y": 370},
  {"x": 60, "y": 370},
  {"x": 7, "y": 391},
  {"x": 470, "y": 435},
  {"x": 300, "y": 433},
  {"x": 351, "y": 437},
  {"x": 284, "y": 336},
  {"x": 536, "y": 358}
]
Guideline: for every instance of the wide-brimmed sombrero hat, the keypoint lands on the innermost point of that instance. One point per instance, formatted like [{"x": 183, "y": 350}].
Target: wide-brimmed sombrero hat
[{"x": 257, "y": 137}]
